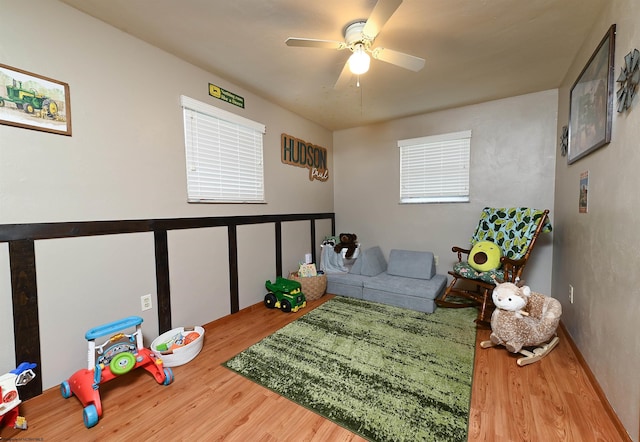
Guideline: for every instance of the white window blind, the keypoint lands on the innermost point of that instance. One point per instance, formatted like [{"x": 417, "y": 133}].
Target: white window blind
[
  {"x": 435, "y": 169},
  {"x": 224, "y": 155}
]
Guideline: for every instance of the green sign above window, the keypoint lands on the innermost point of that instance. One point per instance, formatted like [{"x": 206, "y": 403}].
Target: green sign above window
[{"x": 225, "y": 95}]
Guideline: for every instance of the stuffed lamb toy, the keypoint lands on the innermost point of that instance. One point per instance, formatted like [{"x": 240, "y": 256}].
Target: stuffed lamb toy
[{"x": 523, "y": 318}]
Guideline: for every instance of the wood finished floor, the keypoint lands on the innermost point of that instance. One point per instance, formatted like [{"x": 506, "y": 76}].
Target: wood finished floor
[{"x": 551, "y": 400}]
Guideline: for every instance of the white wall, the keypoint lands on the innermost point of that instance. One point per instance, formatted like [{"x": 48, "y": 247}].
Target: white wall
[
  {"x": 125, "y": 160},
  {"x": 512, "y": 163},
  {"x": 599, "y": 252},
  {"x": 103, "y": 278},
  {"x": 198, "y": 261}
]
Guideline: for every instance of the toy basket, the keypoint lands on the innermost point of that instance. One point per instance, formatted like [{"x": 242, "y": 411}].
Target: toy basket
[
  {"x": 313, "y": 287},
  {"x": 181, "y": 355}
]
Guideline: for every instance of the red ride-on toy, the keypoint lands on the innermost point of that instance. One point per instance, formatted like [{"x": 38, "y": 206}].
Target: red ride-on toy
[
  {"x": 120, "y": 354},
  {"x": 9, "y": 397}
]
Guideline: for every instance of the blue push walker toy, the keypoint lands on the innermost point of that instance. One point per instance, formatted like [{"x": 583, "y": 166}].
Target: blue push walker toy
[{"x": 120, "y": 354}]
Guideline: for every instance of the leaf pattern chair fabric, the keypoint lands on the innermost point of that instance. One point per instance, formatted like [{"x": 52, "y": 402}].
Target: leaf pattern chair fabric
[{"x": 515, "y": 230}]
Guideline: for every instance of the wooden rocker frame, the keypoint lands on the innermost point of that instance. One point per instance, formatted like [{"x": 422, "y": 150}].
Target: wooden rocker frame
[
  {"x": 480, "y": 296},
  {"x": 530, "y": 356}
]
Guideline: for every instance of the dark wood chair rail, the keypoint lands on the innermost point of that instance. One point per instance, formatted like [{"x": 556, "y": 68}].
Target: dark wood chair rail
[{"x": 21, "y": 238}]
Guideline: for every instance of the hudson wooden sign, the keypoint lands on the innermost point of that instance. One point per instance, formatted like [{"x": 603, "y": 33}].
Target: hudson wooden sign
[{"x": 300, "y": 153}]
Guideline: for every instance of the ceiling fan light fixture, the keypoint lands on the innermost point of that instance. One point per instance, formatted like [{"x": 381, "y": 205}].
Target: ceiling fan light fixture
[
  {"x": 359, "y": 38},
  {"x": 359, "y": 60}
]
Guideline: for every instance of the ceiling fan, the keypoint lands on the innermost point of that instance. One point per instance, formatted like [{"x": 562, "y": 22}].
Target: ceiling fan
[{"x": 359, "y": 36}]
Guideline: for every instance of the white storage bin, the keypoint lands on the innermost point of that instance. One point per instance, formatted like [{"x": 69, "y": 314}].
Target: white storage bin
[{"x": 180, "y": 355}]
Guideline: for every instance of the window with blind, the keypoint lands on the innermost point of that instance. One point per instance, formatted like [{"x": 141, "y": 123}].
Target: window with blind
[
  {"x": 435, "y": 169},
  {"x": 224, "y": 155}
]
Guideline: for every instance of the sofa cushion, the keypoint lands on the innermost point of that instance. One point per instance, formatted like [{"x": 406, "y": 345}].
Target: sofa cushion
[
  {"x": 402, "y": 286},
  {"x": 346, "y": 279},
  {"x": 411, "y": 264},
  {"x": 371, "y": 262},
  {"x": 345, "y": 284},
  {"x": 356, "y": 267}
]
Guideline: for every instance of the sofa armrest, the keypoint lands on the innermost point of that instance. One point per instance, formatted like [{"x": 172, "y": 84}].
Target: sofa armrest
[{"x": 371, "y": 262}]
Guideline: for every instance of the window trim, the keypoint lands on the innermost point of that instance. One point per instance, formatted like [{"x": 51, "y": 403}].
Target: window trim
[
  {"x": 243, "y": 125},
  {"x": 221, "y": 114}
]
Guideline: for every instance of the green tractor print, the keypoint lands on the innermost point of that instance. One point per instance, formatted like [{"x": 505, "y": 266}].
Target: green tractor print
[{"x": 29, "y": 101}]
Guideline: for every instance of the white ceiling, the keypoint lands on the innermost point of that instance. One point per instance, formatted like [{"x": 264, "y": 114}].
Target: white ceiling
[{"x": 475, "y": 50}]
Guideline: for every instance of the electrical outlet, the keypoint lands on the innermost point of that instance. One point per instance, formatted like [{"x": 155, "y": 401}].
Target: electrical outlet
[
  {"x": 145, "y": 302},
  {"x": 570, "y": 294},
  {"x": 436, "y": 258}
]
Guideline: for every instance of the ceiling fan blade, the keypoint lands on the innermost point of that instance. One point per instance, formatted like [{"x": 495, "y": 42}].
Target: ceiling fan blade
[
  {"x": 344, "y": 77},
  {"x": 382, "y": 12},
  {"x": 399, "y": 59},
  {"x": 314, "y": 43}
]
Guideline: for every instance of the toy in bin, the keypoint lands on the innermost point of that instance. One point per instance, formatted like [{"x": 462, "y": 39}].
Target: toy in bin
[
  {"x": 118, "y": 355},
  {"x": 284, "y": 294},
  {"x": 178, "y": 346},
  {"x": 9, "y": 414},
  {"x": 178, "y": 341}
]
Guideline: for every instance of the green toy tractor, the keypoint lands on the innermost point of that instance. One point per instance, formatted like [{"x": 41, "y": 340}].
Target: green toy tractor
[{"x": 284, "y": 294}]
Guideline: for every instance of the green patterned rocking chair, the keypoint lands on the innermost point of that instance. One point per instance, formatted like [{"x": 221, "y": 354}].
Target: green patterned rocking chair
[{"x": 515, "y": 230}]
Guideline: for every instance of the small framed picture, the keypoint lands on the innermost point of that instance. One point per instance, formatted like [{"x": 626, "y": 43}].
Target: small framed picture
[
  {"x": 583, "y": 201},
  {"x": 32, "y": 101}
]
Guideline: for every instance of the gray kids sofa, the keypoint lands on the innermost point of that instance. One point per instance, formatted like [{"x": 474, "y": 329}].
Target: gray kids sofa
[{"x": 408, "y": 280}]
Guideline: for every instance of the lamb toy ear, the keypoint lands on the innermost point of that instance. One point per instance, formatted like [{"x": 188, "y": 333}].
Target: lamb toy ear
[{"x": 526, "y": 290}]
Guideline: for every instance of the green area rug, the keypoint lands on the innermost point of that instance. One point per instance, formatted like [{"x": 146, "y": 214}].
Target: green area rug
[{"x": 385, "y": 373}]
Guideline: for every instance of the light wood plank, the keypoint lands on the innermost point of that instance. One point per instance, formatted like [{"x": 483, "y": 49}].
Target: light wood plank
[{"x": 553, "y": 399}]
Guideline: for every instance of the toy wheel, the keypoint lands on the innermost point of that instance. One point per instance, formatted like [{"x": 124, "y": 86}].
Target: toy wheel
[
  {"x": 285, "y": 305},
  {"x": 90, "y": 415},
  {"x": 168, "y": 376},
  {"x": 65, "y": 389},
  {"x": 28, "y": 108},
  {"x": 122, "y": 363},
  {"x": 270, "y": 300}
]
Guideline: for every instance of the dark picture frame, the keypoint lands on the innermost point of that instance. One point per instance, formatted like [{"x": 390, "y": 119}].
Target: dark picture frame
[
  {"x": 32, "y": 101},
  {"x": 591, "y": 103}
]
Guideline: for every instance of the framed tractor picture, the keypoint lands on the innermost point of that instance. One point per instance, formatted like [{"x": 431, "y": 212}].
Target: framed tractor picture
[{"x": 32, "y": 101}]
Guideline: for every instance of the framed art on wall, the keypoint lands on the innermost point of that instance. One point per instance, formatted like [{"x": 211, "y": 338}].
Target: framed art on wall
[
  {"x": 591, "y": 103},
  {"x": 32, "y": 101},
  {"x": 583, "y": 201}
]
